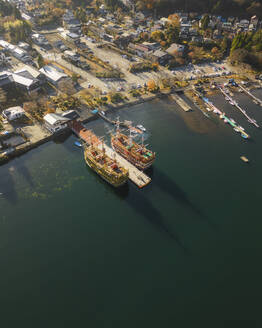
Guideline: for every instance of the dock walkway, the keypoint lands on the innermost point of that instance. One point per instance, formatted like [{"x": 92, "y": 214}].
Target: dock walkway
[
  {"x": 185, "y": 106},
  {"x": 136, "y": 176},
  {"x": 250, "y": 120},
  {"x": 259, "y": 101}
]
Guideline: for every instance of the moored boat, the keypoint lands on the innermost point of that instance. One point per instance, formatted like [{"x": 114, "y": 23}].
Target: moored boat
[
  {"x": 136, "y": 154},
  {"x": 106, "y": 167}
]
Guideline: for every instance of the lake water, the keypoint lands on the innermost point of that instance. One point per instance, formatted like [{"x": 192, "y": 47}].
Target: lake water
[{"x": 183, "y": 252}]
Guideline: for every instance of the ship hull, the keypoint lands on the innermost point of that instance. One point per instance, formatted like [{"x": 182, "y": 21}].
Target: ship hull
[
  {"x": 114, "y": 183},
  {"x": 140, "y": 165}
]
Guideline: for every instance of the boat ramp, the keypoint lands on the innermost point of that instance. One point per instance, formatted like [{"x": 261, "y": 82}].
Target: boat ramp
[{"x": 136, "y": 176}]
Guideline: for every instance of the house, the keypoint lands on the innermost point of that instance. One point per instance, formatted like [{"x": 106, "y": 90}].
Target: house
[
  {"x": 53, "y": 75},
  {"x": 176, "y": 49},
  {"x": 40, "y": 40},
  {"x": 27, "y": 17},
  {"x": 161, "y": 57},
  {"x": 13, "y": 113},
  {"x": 197, "y": 39},
  {"x": 73, "y": 37},
  {"x": 217, "y": 34},
  {"x": 254, "y": 20},
  {"x": 139, "y": 49},
  {"x": 70, "y": 114},
  {"x": 23, "y": 45},
  {"x": 226, "y": 26},
  {"x": 6, "y": 81},
  {"x": 29, "y": 78},
  {"x": 55, "y": 122},
  {"x": 152, "y": 46},
  {"x": 123, "y": 40}
]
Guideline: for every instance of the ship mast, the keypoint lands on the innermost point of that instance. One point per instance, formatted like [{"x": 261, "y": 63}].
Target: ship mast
[
  {"x": 130, "y": 139},
  {"x": 117, "y": 127}
]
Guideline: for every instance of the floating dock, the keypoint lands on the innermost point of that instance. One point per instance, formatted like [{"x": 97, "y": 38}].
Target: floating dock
[
  {"x": 259, "y": 101},
  {"x": 136, "y": 176},
  {"x": 222, "y": 115},
  {"x": 185, "y": 106},
  {"x": 234, "y": 103}
]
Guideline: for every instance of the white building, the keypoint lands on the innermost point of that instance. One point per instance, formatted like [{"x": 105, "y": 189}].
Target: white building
[
  {"x": 55, "y": 123},
  {"x": 13, "y": 113},
  {"x": 52, "y": 74}
]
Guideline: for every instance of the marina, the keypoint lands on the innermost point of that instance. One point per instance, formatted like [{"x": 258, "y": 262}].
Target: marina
[
  {"x": 234, "y": 103},
  {"x": 223, "y": 116}
]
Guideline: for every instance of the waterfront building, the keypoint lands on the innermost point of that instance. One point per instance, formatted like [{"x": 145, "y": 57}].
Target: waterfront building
[
  {"x": 55, "y": 122},
  {"x": 13, "y": 113}
]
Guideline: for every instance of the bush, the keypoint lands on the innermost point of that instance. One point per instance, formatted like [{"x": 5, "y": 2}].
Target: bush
[{"x": 116, "y": 97}]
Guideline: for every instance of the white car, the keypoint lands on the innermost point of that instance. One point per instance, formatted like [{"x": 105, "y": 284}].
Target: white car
[
  {"x": 139, "y": 86},
  {"x": 104, "y": 92}
]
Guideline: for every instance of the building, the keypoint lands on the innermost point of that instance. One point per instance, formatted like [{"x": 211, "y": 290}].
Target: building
[
  {"x": 29, "y": 78},
  {"x": 55, "y": 122},
  {"x": 13, "y": 113},
  {"x": 139, "y": 49},
  {"x": 6, "y": 81},
  {"x": 152, "y": 46},
  {"x": 71, "y": 56},
  {"x": 53, "y": 75},
  {"x": 161, "y": 57},
  {"x": 40, "y": 40},
  {"x": 24, "y": 45},
  {"x": 72, "y": 37}
]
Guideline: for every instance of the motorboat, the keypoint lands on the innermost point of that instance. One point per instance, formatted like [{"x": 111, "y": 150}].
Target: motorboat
[
  {"x": 78, "y": 143},
  {"x": 141, "y": 127}
]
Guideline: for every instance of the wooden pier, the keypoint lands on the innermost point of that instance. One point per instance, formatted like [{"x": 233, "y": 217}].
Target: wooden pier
[
  {"x": 250, "y": 120},
  {"x": 185, "y": 106},
  {"x": 259, "y": 101},
  {"x": 136, "y": 176}
]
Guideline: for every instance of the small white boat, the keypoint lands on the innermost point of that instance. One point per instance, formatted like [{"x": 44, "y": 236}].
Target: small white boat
[
  {"x": 233, "y": 121},
  {"x": 235, "y": 129},
  {"x": 141, "y": 127}
]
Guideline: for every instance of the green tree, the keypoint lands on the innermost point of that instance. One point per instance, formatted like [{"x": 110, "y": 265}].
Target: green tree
[
  {"x": 40, "y": 61},
  {"x": 204, "y": 22}
]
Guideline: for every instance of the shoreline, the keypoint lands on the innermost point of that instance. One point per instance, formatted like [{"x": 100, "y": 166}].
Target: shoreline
[{"x": 84, "y": 118}]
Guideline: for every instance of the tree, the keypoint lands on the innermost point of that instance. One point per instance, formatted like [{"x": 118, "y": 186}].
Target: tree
[
  {"x": 3, "y": 97},
  {"x": 40, "y": 61},
  {"x": 172, "y": 33},
  {"x": 157, "y": 36},
  {"x": 204, "y": 22},
  {"x": 215, "y": 50}
]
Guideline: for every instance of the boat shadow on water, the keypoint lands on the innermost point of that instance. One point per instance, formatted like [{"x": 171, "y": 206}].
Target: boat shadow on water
[
  {"x": 142, "y": 205},
  {"x": 167, "y": 185}
]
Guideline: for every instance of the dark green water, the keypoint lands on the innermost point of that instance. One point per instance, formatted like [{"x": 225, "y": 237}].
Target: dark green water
[{"x": 183, "y": 252}]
